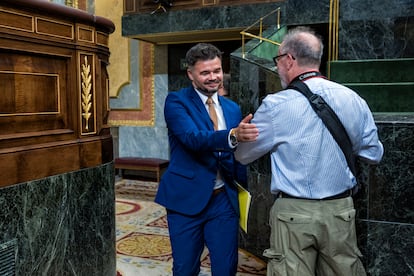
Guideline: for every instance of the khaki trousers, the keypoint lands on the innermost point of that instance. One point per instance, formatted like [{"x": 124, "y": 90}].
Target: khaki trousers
[{"x": 313, "y": 237}]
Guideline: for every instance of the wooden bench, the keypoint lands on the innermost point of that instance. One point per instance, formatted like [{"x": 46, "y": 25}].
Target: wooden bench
[{"x": 142, "y": 166}]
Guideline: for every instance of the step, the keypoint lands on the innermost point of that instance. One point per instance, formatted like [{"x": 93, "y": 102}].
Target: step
[
  {"x": 386, "y": 97},
  {"x": 372, "y": 70}
]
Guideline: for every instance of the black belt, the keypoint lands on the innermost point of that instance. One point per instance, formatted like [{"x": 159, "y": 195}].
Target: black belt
[{"x": 345, "y": 194}]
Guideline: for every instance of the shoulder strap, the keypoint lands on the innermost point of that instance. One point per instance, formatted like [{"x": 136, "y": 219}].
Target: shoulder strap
[{"x": 330, "y": 119}]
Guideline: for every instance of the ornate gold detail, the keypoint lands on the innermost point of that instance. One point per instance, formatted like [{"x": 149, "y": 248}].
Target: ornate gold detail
[
  {"x": 72, "y": 3},
  {"x": 209, "y": 2},
  {"x": 86, "y": 92},
  {"x": 145, "y": 114},
  {"x": 333, "y": 33},
  {"x": 145, "y": 246}
]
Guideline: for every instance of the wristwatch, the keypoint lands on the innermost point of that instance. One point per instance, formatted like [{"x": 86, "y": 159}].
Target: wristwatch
[{"x": 233, "y": 137}]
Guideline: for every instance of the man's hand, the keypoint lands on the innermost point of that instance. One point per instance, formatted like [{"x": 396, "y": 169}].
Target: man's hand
[{"x": 247, "y": 131}]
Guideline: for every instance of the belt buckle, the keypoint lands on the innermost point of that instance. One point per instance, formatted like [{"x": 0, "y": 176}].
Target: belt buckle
[{"x": 218, "y": 190}]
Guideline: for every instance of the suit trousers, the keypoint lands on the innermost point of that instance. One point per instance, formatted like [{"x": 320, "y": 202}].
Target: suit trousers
[{"x": 215, "y": 227}]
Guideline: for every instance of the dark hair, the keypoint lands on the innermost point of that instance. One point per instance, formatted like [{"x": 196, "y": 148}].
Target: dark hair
[{"x": 202, "y": 51}]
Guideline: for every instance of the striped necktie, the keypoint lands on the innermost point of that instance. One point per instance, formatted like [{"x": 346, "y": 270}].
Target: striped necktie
[{"x": 212, "y": 112}]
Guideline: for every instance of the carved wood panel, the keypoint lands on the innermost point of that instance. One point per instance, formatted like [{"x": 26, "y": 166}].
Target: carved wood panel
[
  {"x": 54, "y": 86},
  {"x": 34, "y": 93}
]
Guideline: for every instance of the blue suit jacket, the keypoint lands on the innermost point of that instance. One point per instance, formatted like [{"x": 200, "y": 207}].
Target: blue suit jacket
[{"x": 187, "y": 184}]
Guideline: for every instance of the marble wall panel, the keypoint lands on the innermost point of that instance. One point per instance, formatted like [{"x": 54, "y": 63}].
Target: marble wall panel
[
  {"x": 375, "y": 9},
  {"x": 148, "y": 141},
  {"x": 64, "y": 224},
  {"x": 367, "y": 29},
  {"x": 390, "y": 248},
  {"x": 142, "y": 140},
  {"x": 129, "y": 94},
  {"x": 376, "y": 29},
  {"x": 376, "y": 39},
  {"x": 390, "y": 199},
  {"x": 208, "y": 18},
  {"x": 301, "y": 12},
  {"x": 257, "y": 237}
]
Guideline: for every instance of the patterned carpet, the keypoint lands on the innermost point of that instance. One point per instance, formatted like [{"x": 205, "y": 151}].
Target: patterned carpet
[{"x": 143, "y": 247}]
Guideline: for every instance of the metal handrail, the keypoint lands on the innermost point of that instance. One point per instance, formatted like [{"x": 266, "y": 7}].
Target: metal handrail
[
  {"x": 245, "y": 32},
  {"x": 333, "y": 33}
]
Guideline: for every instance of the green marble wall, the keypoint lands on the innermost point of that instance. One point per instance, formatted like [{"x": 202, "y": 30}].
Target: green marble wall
[
  {"x": 63, "y": 224},
  {"x": 386, "y": 84}
]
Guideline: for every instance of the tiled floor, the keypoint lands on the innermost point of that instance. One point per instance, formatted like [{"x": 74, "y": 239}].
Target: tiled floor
[{"x": 143, "y": 246}]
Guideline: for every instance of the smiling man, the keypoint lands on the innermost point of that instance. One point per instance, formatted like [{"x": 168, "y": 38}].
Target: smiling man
[{"x": 198, "y": 188}]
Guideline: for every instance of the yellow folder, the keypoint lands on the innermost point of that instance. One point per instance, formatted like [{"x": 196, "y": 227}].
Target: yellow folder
[{"x": 244, "y": 204}]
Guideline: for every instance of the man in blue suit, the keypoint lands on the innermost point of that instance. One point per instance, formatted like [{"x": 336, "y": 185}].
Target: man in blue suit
[{"x": 198, "y": 187}]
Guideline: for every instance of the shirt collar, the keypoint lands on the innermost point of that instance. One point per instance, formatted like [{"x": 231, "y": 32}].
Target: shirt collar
[{"x": 204, "y": 97}]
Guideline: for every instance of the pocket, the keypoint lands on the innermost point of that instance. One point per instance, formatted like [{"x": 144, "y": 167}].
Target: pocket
[
  {"x": 294, "y": 218},
  {"x": 276, "y": 265},
  {"x": 183, "y": 172},
  {"x": 346, "y": 228},
  {"x": 347, "y": 215}
]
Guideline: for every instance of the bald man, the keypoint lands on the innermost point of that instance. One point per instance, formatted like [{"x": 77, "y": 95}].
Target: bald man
[{"x": 313, "y": 217}]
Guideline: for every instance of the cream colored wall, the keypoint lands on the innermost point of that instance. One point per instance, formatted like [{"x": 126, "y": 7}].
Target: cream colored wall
[{"x": 119, "y": 68}]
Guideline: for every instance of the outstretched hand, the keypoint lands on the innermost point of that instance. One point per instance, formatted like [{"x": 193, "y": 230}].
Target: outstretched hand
[{"x": 247, "y": 131}]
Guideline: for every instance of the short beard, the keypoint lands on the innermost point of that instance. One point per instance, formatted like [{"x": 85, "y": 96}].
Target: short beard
[{"x": 207, "y": 92}]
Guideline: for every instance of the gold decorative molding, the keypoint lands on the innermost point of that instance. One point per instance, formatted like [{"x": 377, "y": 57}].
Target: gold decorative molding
[
  {"x": 101, "y": 38},
  {"x": 17, "y": 21},
  {"x": 88, "y": 107},
  {"x": 333, "y": 33},
  {"x": 145, "y": 114},
  {"x": 86, "y": 92},
  {"x": 72, "y": 3},
  {"x": 120, "y": 67},
  {"x": 209, "y": 2},
  {"x": 46, "y": 26},
  {"x": 86, "y": 34}
]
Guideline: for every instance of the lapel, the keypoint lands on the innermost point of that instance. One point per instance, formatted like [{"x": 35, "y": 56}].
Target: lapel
[{"x": 200, "y": 107}]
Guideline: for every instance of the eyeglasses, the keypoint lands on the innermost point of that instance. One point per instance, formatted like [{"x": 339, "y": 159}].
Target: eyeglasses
[{"x": 278, "y": 57}]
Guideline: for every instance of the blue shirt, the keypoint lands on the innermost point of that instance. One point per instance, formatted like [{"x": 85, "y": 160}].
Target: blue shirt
[{"x": 306, "y": 161}]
